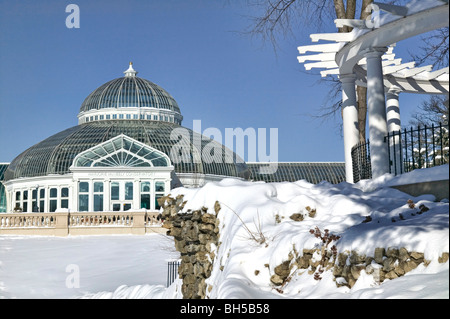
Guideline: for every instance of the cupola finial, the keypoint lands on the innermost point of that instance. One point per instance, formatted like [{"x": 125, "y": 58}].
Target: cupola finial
[{"x": 130, "y": 71}]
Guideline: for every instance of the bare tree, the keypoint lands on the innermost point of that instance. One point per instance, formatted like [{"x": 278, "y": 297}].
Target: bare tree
[
  {"x": 281, "y": 17},
  {"x": 432, "y": 111},
  {"x": 285, "y": 18},
  {"x": 434, "y": 51}
]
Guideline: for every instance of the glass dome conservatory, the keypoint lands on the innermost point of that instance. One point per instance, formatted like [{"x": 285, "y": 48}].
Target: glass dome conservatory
[
  {"x": 127, "y": 150},
  {"x": 130, "y": 97}
]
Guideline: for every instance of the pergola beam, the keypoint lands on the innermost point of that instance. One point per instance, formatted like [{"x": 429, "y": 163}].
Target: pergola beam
[{"x": 365, "y": 57}]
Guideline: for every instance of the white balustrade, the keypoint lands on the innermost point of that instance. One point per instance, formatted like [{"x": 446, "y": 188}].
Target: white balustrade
[{"x": 79, "y": 223}]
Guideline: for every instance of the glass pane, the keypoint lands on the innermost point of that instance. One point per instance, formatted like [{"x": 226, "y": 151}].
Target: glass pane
[
  {"x": 98, "y": 202},
  {"x": 145, "y": 201},
  {"x": 157, "y": 206},
  {"x": 83, "y": 187},
  {"x": 25, "y": 195},
  {"x": 83, "y": 162},
  {"x": 34, "y": 194},
  {"x": 159, "y": 186},
  {"x": 65, "y": 192},
  {"x": 41, "y": 206},
  {"x": 25, "y": 207},
  {"x": 41, "y": 193},
  {"x": 98, "y": 187},
  {"x": 128, "y": 190},
  {"x": 52, "y": 205},
  {"x": 83, "y": 203},
  {"x": 126, "y": 207},
  {"x": 64, "y": 203},
  {"x": 116, "y": 207},
  {"x": 17, "y": 195},
  {"x": 53, "y": 192},
  {"x": 145, "y": 187},
  {"x": 160, "y": 162},
  {"x": 115, "y": 191}
]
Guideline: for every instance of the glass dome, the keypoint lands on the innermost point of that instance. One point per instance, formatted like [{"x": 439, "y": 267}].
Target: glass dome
[
  {"x": 130, "y": 97},
  {"x": 56, "y": 154}
]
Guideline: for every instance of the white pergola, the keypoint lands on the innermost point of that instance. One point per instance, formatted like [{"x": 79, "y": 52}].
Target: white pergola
[{"x": 365, "y": 56}]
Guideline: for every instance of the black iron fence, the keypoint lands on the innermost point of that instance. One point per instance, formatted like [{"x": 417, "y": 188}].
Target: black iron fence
[
  {"x": 409, "y": 149},
  {"x": 172, "y": 271},
  {"x": 362, "y": 169},
  {"x": 425, "y": 146}
]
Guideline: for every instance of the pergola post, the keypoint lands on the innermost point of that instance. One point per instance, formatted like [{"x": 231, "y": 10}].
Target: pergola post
[
  {"x": 394, "y": 125},
  {"x": 377, "y": 112},
  {"x": 350, "y": 121}
]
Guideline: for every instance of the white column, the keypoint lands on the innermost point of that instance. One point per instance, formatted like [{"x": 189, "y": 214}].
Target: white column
[
  {"x": 107, "y": 195},
  {"x": 394, "y": 125},
  {"x": 393, "y": 108},
  {"x": 58, "y": 197},
  {"x": 47, "y": 199},
  {"x": 91, "y": 196},
  {"x": 74, "y": 196},
  {"x": 350, "y": 121},
  {"x": 136, "y": 194},
  {"x": 377, "y": 112}
]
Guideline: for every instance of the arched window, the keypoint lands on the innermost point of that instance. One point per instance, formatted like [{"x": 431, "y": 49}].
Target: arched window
[{"x": 121, "y": 151}]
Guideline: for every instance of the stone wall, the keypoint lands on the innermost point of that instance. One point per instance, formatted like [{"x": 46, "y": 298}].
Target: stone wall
[
  {"x": 387, "y": 263},
  {"x": 196, "y": 237}
]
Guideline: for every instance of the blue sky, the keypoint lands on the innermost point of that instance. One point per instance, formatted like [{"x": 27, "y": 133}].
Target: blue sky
[{"x": 194, "y": 49}]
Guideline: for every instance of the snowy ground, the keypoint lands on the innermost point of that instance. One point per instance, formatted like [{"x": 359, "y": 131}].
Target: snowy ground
[
  {"x": 136, "y": 266},
  {"x": 45, "y": 267}
]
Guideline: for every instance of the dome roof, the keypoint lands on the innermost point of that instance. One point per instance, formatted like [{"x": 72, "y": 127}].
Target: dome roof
[
  {"x": 127, "y": 92},
  {"x": 55, "y": 154}
]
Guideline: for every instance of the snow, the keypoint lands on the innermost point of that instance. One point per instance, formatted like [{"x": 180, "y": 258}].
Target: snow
[{"x": 135, "y": 267}]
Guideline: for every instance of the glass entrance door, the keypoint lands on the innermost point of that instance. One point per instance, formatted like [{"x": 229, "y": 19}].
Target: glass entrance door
[{"x": 121, "y": 196}]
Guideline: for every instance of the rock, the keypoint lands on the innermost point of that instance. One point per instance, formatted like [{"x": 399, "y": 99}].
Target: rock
[
  {"x": 196, "y": 216},
  {"x": 355, "y": 271},
  {"x": 355, "y": 258},
  {"x": 204, "y": 238},
  {"x": 392, "y": 252},
  {"x": 337, "y": 271},
  {"x": 276, "y": 280},
  {"x": 388, "y": 264},
  {"x": 283, "y": 269},
  {"x": 399, "y": 270},
  {"x": 374, "y": 269},
  {"x": 342, "y": 259},
  {"x": 391, "y": 275},
  {"x": 303, "y": 261},
  {"x": 297, "y": 217},
  {"x": 198, "y": 270},
  {"x": 217, "y": 207},
  {"x": 208, "y": 219},
  {"x": 351, "y": 281},
  {"x": 417, "y": 256},
  {"x": 443, "y": 258},
  {"x": 191, "y": 233},
  {"x": 206, "y": 228},
  {"x": 409, "y": 265},
  {"x": 379, "y": 254},
  {"x": 180, "y": 245},
  {"x": 403, "y": 254}
]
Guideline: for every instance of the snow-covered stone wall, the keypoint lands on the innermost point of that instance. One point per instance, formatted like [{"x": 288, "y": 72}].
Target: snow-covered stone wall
[{"x": 196, "y": 236}]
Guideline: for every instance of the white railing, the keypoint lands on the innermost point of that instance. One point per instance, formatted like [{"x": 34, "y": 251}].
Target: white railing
[
  {"x": 80, "y": 223},
  {"x": 27, "y": 220}
]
